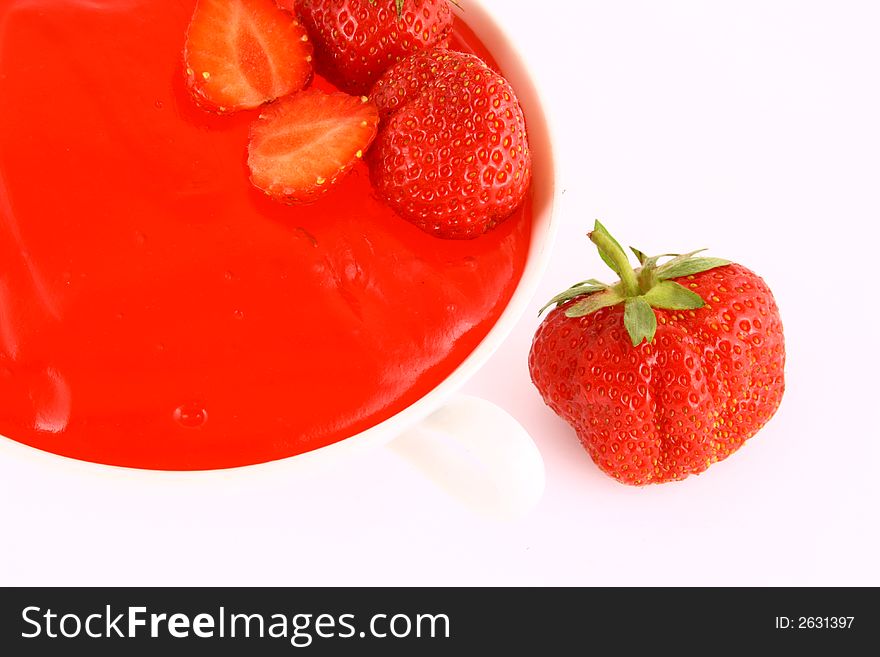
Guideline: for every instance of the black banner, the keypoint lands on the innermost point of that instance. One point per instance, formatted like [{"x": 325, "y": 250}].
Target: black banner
[{"x": 432, "y": 621}]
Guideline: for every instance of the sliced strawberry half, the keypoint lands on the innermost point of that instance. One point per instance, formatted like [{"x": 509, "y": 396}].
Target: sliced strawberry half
[
  {"x": 240, "y": 54},
  {"x": 302, "y": 145}
]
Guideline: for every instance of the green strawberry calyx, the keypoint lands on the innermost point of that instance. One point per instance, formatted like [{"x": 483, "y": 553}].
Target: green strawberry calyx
[{"x": 641, "y": 290}]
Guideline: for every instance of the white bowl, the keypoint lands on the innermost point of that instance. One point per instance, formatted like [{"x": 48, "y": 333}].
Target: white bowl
[{"x": 470, "y": 447}]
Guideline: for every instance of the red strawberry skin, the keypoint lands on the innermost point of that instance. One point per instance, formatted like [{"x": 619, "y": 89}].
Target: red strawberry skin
[
  {"x": 302, "y": 145},
  {"x": 453, "y": 155},
  {"x": 416, "y": 75},
  {"x": 663, "y": 411},
  {"x": 240, "y": 54},
  {"x": 356, "y": 40}
]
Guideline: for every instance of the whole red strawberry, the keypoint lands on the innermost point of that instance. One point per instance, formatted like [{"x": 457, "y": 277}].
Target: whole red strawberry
[
  {"x": 665, "y": 372},
  {"x": 357, "y": 40},
  {"x": 452, "y": 156}
]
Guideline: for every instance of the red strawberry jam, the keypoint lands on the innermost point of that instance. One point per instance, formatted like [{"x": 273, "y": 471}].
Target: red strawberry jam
[{"x": 156, "y": 310}]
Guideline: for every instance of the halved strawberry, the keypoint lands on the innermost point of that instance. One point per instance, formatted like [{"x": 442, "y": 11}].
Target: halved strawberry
[
  {"x": 302, "y": 145},
  {"x": 240, "y": 54}
]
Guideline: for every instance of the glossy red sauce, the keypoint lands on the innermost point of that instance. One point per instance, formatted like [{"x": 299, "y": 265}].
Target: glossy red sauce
[{"x": 157, "y": 311}]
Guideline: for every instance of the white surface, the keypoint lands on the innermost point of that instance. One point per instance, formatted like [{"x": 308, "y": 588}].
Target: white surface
[{"x": 751, "y": 127}]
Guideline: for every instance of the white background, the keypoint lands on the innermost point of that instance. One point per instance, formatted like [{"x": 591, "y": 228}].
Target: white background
[{"x": 752, "y": 127}]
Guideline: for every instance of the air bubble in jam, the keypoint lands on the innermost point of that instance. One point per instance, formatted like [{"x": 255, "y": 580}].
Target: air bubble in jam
[{"x": 190, "y": 415}]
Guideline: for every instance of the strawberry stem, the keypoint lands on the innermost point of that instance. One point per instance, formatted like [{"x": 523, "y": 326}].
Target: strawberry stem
[{"x": 614, "y": 255}]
